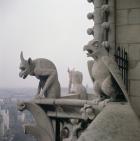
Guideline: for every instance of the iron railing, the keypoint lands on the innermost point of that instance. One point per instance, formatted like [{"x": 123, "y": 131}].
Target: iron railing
[{"x": 121, "y": 58}]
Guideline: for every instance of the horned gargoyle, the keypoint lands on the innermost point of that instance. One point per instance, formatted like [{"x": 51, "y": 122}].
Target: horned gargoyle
[
  {"x": 75, "y": 81},
  {"x": 45, "y": 71},
  {"x": 105, "y": 73}
]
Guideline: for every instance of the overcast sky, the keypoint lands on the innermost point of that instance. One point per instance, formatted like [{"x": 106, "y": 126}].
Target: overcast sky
[{"x": 52, "y": 29}]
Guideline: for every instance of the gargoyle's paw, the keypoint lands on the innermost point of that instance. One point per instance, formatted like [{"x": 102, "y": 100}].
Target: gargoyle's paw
[
  {"x": 96, "y": 101},
  {"x": 37, "y": 97},
  {"x": 41, "y": 96},
  {"x": 104, "y": 102}
]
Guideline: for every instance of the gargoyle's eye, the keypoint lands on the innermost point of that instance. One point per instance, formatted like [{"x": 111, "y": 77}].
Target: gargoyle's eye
[{"x": 96, "y": 45}]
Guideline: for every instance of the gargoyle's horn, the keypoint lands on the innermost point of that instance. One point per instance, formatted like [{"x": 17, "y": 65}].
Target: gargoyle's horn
[{"x": 21, "y": 57}]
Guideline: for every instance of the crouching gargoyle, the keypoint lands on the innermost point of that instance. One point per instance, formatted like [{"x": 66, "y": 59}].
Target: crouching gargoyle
[
  {"x": 45, "y": 71},
  {"x": 75, "y": 81},
  {"x": 105, "y": 73}
]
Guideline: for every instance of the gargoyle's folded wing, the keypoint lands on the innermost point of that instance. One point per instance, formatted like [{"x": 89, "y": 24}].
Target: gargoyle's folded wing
[
  {"x": 115, "y": 72},
  {"x": 90, "y": 65}
]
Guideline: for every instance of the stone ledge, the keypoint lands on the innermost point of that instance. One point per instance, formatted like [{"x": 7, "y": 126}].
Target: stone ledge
[{"x": 115, "y": 123}]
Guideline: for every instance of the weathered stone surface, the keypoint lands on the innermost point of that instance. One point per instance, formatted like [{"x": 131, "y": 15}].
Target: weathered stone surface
[
  {"x": 111, "y": 15},
  {"x": 135, "y": 101},
  {"x": 111, "y": 3},
  {"x": 121, "y": 17},
  {"x": 97, "y": 15},
  {"x": 111, "y": 37},
  {"x": 132, "y": 64},
  {"x": 125, "y": 4},
  {"x": 128, "y": 34},
  {"x": 134, "y": 52},
  {"x": 97, "y": 32},
  {"x": 115, "y": 123},
  {"x": 128, "y": 30},
  {"x": 112, "y": 47},
  {"x": 134, "y": 16},
  {"x": 135, "y": 88},
  {"x": 135, "y": 72},
  {"x": 97, "y": 3}
]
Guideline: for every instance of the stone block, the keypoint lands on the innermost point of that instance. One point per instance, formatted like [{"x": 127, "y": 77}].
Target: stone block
[
  {"x": 132, "y": 64},
  {"x": 134, "y": 73},
  {"x": 121, "y": 18},
  {"x": 135, "y": 88},
  {"x": 134, "y": 16},
  {"x": 126, "y": 4},
  {"x": 135, "y": 102},
  {"x": 134, "y": 52},
  {"x": 128, "y": 34}
]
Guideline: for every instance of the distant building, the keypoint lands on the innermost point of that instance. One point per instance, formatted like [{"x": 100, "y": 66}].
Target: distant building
[{"x": 4, "y": 122}]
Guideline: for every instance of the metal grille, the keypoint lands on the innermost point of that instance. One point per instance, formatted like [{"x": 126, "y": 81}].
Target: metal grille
[{"x": 122, "y": 61}]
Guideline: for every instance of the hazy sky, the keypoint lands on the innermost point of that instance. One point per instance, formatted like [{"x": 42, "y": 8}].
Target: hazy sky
[{"x": 52, "y": 29}]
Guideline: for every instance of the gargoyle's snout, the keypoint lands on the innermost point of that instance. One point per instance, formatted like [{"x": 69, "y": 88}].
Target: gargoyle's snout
[
  {"x": 88, "y": 49},
  {"x": 22, "y": 75}
]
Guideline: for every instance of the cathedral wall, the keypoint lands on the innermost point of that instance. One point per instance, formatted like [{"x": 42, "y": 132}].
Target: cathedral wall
[{"x": 128, "y": 37}]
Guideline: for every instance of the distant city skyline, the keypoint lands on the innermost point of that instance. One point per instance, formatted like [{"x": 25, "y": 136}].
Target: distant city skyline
[{"x": 55, "y": 30}]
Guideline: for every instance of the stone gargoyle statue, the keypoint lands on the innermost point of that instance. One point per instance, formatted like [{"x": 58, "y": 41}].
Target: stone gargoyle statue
[
  {"x": 75, "y": 83},
  {"x": 105, "y": 74},
  {"x": 45, "y": 71}
]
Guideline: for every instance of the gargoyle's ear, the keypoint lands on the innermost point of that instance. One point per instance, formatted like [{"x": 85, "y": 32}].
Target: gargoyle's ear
[{"x": 30, "y": 61}]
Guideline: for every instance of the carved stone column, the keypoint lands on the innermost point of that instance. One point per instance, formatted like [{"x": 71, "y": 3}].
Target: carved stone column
[{"x": 104, "y": 23}]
